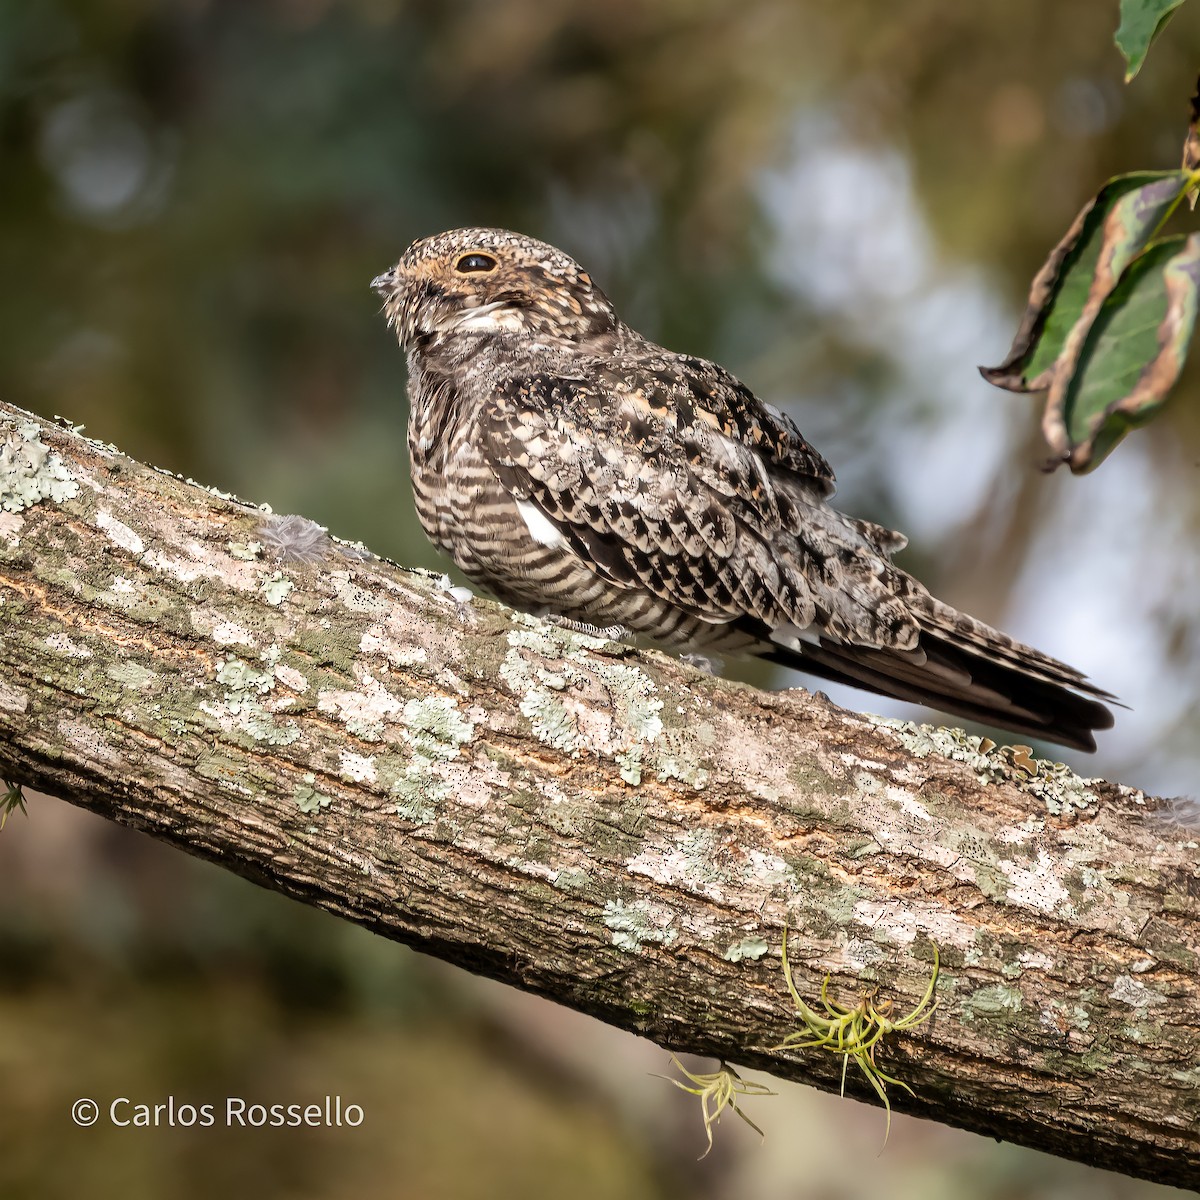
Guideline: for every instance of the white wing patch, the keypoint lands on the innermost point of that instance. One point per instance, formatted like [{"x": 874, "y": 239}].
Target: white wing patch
[
  {"x": 541, "y": 528},
  {"x": 790, "y": 636}
]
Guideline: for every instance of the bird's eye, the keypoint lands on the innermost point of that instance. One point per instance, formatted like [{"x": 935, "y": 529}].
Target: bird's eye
[{"x": 475, "y": 262}]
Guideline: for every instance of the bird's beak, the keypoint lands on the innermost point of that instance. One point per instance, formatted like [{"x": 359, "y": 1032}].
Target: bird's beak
[{"x": 384, "y": 284}]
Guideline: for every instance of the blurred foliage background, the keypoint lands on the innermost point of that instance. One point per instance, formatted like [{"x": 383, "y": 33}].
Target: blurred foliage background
[{"x": 842, "y": 203}]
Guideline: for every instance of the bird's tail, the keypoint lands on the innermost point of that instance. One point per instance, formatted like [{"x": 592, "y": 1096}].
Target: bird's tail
[{"x": 965, "y": 667}]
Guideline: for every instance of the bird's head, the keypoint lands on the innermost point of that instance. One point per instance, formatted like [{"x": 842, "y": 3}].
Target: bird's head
[{"x": 471, "y": 282}]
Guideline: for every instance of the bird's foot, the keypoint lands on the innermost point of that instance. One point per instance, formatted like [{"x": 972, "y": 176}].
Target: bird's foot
[
  {"x": 611, "y": 633},
  {"x": 461, "y": 596}
]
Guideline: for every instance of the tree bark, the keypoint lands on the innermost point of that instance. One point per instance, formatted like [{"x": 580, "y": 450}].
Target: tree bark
[{"x": 603, "y": 826}]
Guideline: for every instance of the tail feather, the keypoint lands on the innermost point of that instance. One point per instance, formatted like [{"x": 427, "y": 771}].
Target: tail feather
[{"x": 962, "y": 666}]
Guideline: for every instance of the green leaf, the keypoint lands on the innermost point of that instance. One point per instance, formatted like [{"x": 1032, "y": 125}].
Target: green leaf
[
  {"x": 1082, "y": 269},
  {"x": 1131, "y": 356},
  {"x": 1141, "y": 23}
]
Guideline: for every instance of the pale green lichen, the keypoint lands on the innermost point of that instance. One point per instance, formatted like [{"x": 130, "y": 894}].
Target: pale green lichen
[
  {"x": 572, "y": 879},
  {"x": 276, "y": 589},
  {"x": 550, "y": 721},
  {"x": 630, "y": 762},
  {"x": 750, "y": 947},
  {"x": 633, "y": 926},
  {"x": 414, "y": 784},
  {"x": 923, "y": 740},
  {"x": 682, "y": 767},
  {"x": 30, "y": 473},
  {"x": 993, "y": 1001},
  {"x": 246, "y": 551},
  {"x": 1054, "y": 783},
  {"x": 436, "y": 728},
  {"x": 309, "y": 799},
  {"x": 245, "y": 683},
  {"x": 263, "y": 727},
  {"x": 241, "y": 678},
  {"x": 131, "y": 675},
  {"x": 1060, "y": 789},
  {"x": 365, "y": 729},
  {"x": 634, "y": 711}
]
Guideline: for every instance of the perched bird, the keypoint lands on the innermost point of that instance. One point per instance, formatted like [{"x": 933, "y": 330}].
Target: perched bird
[{"x": 572, "y": 467}]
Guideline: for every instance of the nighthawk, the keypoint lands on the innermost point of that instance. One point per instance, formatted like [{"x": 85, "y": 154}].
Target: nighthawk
[{"x": 570, "y": 466}]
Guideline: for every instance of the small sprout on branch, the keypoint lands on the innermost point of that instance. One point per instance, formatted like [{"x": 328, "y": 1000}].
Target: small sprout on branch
[
  {"x": 717, "y": 1091},
  {"x": 854, "y": 1033},
  {"x": 12, "y": 800}
]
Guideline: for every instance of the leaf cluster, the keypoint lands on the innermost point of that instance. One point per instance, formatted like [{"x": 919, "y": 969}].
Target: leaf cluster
[{"x": 1109, "y": 317}]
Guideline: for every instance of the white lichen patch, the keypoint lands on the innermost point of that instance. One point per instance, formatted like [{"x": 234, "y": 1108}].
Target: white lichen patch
[
  {"x": 62, "y": 644},
  {"x": 291, "y": 678},
  {"x": 11, "y": 525},
  {"x": 897, "y": 922},
  {"x": 356, "y": 598},
  {"x": 230, "y": 633},
  {"x": 13, "y": 699},
  {"x": 1075, "y": 1016},
  {"x": 1035, "y": 960},
  {"x": 1132, "y": 991},
  {"x": 119, "y": 533},
  {"x": 1037, "y": 886},
  {"x": 30, "y": 473},
  {"x": 862, "y": 955},
  {"x": 365, "y": 711},
  {"x": 690, "y": 861},
  {"x": 638, "y": 924},
  {"x": 199, "y": 562},
  {"x": 1017, "y": 835},
  {"x": 358, "y": 768},
  {"x": 87, "y": 742},
  {"x": 908, "y": 803},
  {"x": 376, "y": 641}
]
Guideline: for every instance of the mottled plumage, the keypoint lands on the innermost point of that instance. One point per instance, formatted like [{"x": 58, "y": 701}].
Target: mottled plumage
[{"x": 569, "y": 465}]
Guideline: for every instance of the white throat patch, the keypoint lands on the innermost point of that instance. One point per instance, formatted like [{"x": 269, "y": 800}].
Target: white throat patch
[{"x": 487, "y": 318}]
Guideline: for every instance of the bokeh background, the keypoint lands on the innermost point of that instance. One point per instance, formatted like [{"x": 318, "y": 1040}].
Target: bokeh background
[{"x": 841, "y": 202}]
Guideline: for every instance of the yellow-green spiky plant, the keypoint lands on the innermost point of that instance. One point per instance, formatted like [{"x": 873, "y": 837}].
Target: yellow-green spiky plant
[
  {"x": 856, "y": 1032},
  {"x": 11, "y": 799},
  {"x": 717, "y": 1091}
]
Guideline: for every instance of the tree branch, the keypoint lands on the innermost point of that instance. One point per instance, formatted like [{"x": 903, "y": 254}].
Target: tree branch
[{"x": 599, "y": 825}]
